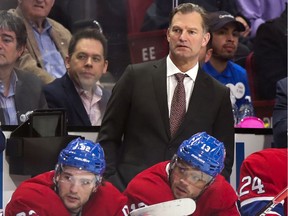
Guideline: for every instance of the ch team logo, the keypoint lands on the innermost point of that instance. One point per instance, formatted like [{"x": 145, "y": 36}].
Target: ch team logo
[{"x": 31, "y": 212}]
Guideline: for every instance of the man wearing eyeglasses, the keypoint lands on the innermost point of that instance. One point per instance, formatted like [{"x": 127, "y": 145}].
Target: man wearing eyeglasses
[
  {"x": 193, "y": 172},
  {"x": 75, "y": 187}
]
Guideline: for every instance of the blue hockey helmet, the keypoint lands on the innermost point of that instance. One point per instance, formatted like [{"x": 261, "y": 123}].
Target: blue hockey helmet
[
  {"x": 203, "y": 152},
  {"x": 85, "y": 155}
]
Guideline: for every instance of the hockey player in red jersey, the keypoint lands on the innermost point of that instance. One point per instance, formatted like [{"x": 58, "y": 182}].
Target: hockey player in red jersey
[
  {"x": 193, "y": 173},
  {"x": 263, "y": 175},
  {"x": 74, "y": 188}
]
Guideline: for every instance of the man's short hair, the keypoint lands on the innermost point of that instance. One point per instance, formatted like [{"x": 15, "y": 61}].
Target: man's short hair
[
  {"x": 88, "y": 33},
  {"x": 11, "y": 22}
]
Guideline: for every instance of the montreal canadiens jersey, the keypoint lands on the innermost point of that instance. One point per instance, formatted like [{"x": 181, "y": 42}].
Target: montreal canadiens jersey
[
  {"x": 36, "y": 197},
  {"x": 152, "y": 186},
  {"x": 263, "y": 175}
]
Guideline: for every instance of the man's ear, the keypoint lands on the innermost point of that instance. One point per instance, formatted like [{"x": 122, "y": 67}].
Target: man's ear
[
  {"x": 206, "y": 39},
  {"x": 168, "y": 35},
  {"x": 20, "y": 50},
  {"x": 208, "y": 54},
  {"x": 67, "y": 62}
]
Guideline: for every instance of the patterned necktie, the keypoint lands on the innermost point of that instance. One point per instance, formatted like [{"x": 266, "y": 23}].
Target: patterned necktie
[{"x": 178, "y": 105}]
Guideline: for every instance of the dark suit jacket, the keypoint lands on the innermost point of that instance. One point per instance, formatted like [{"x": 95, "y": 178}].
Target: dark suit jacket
[
  {"x": 28, "y": 94},
  {"x": 270, "y": 56},
  {"x": 138, "y": 112},
  {"x": 61, "y": 93},
  {"x": 280, "y": 115}
]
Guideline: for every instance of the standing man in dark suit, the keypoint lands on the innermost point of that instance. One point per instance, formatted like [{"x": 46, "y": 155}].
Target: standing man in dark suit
[
  {"x": 135, "y": 131},
  {"x": 20, "y": 91},
  {"x": 79, "y": 90}
]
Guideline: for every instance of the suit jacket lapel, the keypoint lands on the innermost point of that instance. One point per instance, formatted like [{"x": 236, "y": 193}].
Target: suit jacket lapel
[
  {"x": 31, "y": 41},
  {"x": 160, "y": 88},
  {"x": 103, "y": 101},
  {"x": 75, "y": 99},
  {"x": 58, "y": 40}
]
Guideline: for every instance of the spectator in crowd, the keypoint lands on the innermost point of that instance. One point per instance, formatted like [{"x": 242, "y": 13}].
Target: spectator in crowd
[
  {"x": 79, "y": 90},
  {"x": 225, "y": 36},
  {"x": 142, "y": 112},
  {"x": 259, "y": 11},
  {"x": 280, "y": 131},
  {"x": 47, "y": 42},
  {"x": 263, "y": 175},
  {"x": 193, "y": 172},
  {"x": 20, "y": 91},
  {"x": 76, "y": 187},
  {"x": 270, "y": 55}
]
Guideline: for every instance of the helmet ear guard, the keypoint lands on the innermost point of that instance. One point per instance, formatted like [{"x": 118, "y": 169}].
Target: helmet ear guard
[{"x": 173, "y": 162}]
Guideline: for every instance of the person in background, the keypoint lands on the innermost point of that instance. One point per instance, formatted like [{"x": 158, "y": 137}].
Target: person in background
[
  {"x": 259, "y": 11},
  {"x": 193, "y": 172},
  {"x": 20, "y": 91},
  {"x": 141, "y": 113},
  {"x": 270, "y": 55},
  {"x": 263, "y": 175},
  {"x": 79, "y": 90},
  {"x": 225, "y": 31},
  {"x": 76, "y": 187},
  {"x": 47, "y": 42},
  {"x": 280, "y": 131}
]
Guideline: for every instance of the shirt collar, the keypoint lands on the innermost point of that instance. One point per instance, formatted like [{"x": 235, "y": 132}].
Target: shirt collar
[
  {"x": 12, "y": 88},
  {"x": 172, "y": 69},
  {"x": 47, "y": 26},
  {"x": 97, "y": 90},
  {"x": 212, "y": 71}
]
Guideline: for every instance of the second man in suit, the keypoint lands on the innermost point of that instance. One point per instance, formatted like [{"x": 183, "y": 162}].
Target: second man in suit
[
  {"x": 136, "y": 131},
  {"x": 79, "y": 90}
]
